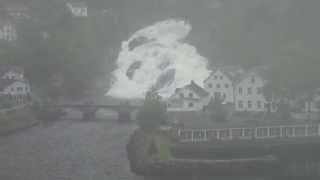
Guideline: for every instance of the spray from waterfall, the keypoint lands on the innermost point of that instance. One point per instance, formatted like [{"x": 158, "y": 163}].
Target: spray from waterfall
[{"x": 157, "y": 56}]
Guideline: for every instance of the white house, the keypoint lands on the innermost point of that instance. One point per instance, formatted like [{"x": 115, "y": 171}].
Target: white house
[
  {"x": 221, "y": 83},
  {"x": 8, "y": 31},
  {"x": 17, "y": 91},
  {"x": 13, "y": 84},
  {"x": 248, "y": 93},
  {"x": 313, "y": 106},
  {"x": 243, "y": 89},
  {"x": 191, "y": 97},
  {"x": 78, "y": 9}
]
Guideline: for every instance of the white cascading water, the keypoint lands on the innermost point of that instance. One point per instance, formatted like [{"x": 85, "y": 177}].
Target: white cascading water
[{"x": 157, "y": 57}]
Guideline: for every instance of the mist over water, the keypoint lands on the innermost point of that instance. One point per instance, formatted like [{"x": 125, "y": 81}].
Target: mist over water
[{"x": 158, "y": 57}]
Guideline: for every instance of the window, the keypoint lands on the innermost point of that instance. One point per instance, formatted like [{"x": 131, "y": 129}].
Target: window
[
  {"x": 210, "y": 85},
  {"x": 191, "y": 104},
  {"x": 240, "y": 104},
  {"x": 253, "y": 79},
  {"x": 226, "y": 85},
  {"x": 224, "y": 96},
  {"x": 218, "y": 86},
  {"x": 215, "y": 77},
  {"x": 240, "y": 90},
  {"x": 221, "y": 77},
  {"x": 181, "y": 95},
  {"x": 259, "y": 90},
  {"x": 259, "y": 104},
  {"x": 19, "y": 89},
  {"x": 249, "y": 104},
  {"x": 249, "y": 91},
  {"x": 190, "y": 95}
]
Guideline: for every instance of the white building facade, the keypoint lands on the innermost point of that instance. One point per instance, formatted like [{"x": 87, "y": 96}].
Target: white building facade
[
  {"x": 242, "y": 90},
  {"x": 249, "y": 94},
  {"x": 188, "y": 98},
  {"x": 13, "y": 85},
  {"x": 220, "y": 84},
  {"x": 313, "y": 106},
  {"x": 8, "y": 32}
]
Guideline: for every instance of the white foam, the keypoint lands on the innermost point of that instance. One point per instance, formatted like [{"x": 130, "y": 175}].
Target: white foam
[{"x": 166, "y": 45}]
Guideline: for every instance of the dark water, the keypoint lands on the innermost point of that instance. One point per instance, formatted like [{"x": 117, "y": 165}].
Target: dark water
[{"x": 67, "y": 150}]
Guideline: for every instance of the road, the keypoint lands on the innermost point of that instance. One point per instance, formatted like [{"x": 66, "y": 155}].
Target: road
[{"x": 67, "y": 150}]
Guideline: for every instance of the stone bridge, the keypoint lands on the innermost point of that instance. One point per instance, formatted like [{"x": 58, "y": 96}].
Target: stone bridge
[{"x": 124, "y": 111}]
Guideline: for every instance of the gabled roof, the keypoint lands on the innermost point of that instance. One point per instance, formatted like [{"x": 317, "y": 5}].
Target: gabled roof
[
  {"x": 232, "y": 72},
  {"x": 5, "y": 69},
  {"x": 195, "y": 88},
  {"x": 4, "y": 83},
  {"x": 237, "y": 74}
]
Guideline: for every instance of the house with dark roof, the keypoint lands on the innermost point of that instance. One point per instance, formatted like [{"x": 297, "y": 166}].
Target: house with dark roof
[
  {"x": 13, "y": 85},
  {"x": 191, "y": 97}
]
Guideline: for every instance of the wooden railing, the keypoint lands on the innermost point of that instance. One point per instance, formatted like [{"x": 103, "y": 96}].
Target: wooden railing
[{"x": 249, "y": 133}]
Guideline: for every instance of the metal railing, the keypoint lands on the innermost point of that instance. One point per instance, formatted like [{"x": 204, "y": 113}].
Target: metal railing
[{"x": 249, "y": 133}]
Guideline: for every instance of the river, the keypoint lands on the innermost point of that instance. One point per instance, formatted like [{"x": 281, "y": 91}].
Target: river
[{"x": 68, "y": 150}]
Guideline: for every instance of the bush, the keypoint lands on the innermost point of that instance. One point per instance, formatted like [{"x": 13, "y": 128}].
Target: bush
[{"x": 217, "y": 110}]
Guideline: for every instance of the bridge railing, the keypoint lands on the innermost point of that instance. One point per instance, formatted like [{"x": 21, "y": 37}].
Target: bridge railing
[{"x": 249, "y": 133}]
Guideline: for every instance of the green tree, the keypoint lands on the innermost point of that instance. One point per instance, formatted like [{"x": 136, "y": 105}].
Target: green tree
[
  {"x": 153, "y": 113},
  {"x": 53, "y": 43}
]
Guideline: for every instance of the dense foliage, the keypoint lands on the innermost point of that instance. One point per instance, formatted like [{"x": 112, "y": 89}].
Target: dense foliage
[
  {"x": 217, "y": 110},
  {"x": 61, "y": 54},
  {"x": 153, "y": 113}
]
